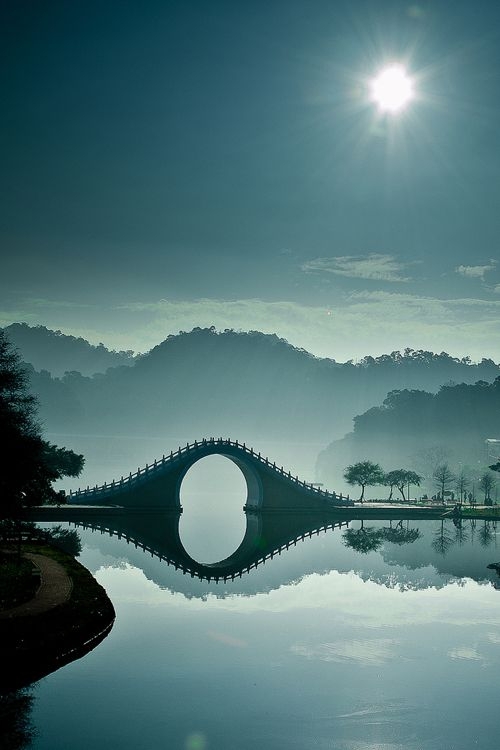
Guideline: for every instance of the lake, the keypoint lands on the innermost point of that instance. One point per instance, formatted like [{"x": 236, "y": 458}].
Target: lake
[{"x": 380, "y": 635}]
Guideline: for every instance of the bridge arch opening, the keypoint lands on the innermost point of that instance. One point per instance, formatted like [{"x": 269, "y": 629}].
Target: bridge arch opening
[{"x": 212, "y": 493}]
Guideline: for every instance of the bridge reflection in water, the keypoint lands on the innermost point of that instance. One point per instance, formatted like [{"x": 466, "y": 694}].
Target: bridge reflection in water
[
  {"x": 144, "y": 509},
  {"x": 265, "y": 537}
]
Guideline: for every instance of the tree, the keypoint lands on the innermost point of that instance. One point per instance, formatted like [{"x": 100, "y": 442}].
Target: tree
[
  {"x": 443, "y": 477},
  {"x": 364, "y": 474},
  {"x": 486, "y": 484},
  {"x": 402, "y": 479},
  {"x": 462, "y": 482},
  {"x": 411, "y": 477},
  {"x": 28, "y": 464},
  {"x": 390, "y": 480}
]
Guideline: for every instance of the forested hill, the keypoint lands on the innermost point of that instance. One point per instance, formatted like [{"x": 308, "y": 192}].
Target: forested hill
[
  {"x": 416, "y": 429},
  {"x": 57, "y": 352},
  {"x": 243, "y": 384}
]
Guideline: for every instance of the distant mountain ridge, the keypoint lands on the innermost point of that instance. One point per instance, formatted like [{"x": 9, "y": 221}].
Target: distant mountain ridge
[
  {"x": 58, "y": 352},
  {"x": 243, "y": 385}
]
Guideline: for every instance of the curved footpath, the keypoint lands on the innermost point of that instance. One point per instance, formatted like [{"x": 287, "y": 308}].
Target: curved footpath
[
  {"x": 55, "y": 588},
  {"x": 61, "y": 623}
]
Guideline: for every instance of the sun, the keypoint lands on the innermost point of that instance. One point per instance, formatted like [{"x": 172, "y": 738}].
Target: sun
[{"x": 392, "y": 89}]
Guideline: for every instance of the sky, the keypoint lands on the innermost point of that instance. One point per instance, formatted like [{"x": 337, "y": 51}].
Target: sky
[{"x": 175, "y": 164}]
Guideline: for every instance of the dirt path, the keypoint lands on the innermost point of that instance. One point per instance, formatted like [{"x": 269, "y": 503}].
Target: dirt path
[{"x": 55, "y": 588}]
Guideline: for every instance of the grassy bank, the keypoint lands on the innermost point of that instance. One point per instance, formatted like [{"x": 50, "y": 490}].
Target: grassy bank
[
  {"x": 491, "y": 512},
  {"x": 18, "y": 580},
  {"x": 37, "y": 645}
]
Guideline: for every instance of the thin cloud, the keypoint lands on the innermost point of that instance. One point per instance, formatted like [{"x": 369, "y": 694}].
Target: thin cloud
[
  {"x": 373, "y": 267},
  {"x": 48, "y": 304},
  {"x": 365, "y": 652},
  {"x": 476, "y": 272},
  {"x": 465, "y": 653}
]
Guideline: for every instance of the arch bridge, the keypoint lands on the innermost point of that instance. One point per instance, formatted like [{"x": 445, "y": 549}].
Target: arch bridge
[
  {"x": 270, "y": 488},
  {"x": 144, "y": 509}
]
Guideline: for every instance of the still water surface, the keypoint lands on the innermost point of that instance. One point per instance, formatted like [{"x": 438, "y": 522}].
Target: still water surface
[{"x": 321, "y": 647}]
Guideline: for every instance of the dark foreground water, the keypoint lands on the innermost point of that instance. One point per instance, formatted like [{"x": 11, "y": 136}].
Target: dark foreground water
[{"x": 322, "y": 647}]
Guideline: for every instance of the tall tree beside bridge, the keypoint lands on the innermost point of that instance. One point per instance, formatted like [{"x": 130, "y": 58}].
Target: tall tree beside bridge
[{"x": 28, "y": 463}]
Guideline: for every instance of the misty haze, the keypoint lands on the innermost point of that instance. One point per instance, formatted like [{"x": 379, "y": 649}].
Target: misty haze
[{"x": 250, "y": 375}]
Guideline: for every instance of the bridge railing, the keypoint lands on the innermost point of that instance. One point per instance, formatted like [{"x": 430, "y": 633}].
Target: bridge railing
[{"x": 159, "y": 466}]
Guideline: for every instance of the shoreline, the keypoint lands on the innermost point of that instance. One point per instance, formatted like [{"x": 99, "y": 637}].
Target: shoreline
[{"x": 73, "y": 615}]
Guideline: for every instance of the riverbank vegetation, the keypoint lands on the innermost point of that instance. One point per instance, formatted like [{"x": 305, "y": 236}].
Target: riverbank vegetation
[
  {"x": 38, "y": 645},
  {"x": 452, "y": 433},
  {"x": 28, "y": 464},
  {"x": 447, "y": 485},
  {"x": 18, "y": 579}
]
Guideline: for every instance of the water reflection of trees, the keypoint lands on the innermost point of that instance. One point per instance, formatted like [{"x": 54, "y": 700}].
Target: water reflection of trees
[
  {"x": 400, "y": 534},
  {"x": 461, "y": 531},
  {"x": 487, "y": 533},
  {"x": 364, "y": 540},
  {"x": 447, "y": 538},
  {"x": 369, "y": 539},
  {"x": 16, "y": 728},
  {"x": 443, "y": 539}
]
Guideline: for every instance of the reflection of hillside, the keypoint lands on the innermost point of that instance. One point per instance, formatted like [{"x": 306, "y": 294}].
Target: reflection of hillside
[
  {"x": 451, "y": 551},
  {"x": 414, "y": 565}
]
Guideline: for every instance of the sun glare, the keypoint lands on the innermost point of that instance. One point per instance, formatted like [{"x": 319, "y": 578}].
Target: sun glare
[{"x": 392, "y": 89}]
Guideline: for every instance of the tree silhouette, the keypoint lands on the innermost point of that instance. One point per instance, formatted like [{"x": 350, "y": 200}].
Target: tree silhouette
[
  {"x": 402, "y": 479},
  {"x": 486, "y": 484},
  {"x": 443, "y": 477},
  {"x": 28, "y": 464},
  {"x": 462, "y": 482},
  {"x": 364, "y": 474},
  {"x": 389, "y": 479}
]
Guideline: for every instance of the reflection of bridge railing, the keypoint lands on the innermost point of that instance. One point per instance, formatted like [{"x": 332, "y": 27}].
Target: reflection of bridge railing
[
  {"x": 206, "y": 571},
  {"x": 158, "y": 467}
]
